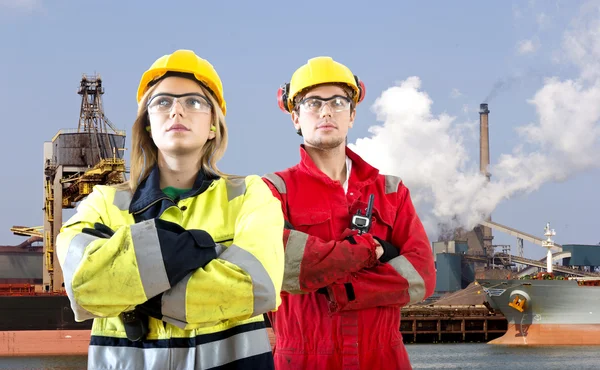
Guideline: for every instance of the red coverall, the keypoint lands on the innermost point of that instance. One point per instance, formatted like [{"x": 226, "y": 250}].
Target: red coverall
[{"x": 356, "y": 325}]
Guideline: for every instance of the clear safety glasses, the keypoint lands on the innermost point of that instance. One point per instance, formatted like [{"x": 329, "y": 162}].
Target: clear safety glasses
[
  {"x": 191, "y": 102},
  {"x": 336, "y": 103}
]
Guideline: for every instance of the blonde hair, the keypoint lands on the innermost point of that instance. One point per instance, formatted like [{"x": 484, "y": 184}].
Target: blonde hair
[{"x": 144, "y": 153}]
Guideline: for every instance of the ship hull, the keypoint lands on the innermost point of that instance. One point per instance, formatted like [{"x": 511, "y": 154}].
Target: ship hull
[
  {"x": 550, "y": 335},
  {"x": 556, "y": 312},
  {"x": 44, "y": 343},
  {"x": 41, "y": 325}
]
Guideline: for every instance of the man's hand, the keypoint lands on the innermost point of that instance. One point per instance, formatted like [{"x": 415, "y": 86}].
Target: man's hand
[
  {"x": 385, "y": 250},
  {"x": 378, "y": 249}
]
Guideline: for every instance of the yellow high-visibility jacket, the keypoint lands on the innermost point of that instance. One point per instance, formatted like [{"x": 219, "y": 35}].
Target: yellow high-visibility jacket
[{"x": 206, "y": 317}]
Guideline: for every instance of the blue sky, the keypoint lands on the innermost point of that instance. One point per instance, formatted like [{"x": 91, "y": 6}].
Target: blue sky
[{"x": 426, "y": 66}]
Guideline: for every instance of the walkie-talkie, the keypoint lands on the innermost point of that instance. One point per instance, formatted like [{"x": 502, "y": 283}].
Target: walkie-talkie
[
  {"x": 136, "y": 325},
  {"x": 363, "y": 223}
]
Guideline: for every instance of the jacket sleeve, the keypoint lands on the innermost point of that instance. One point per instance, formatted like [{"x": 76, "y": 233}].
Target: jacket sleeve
[
  {"x": 312, "y": 263},
  {"x": 406, "y": 279},
  {"x": 245, "y": 280},
  {"x": 105, "y": 276}
]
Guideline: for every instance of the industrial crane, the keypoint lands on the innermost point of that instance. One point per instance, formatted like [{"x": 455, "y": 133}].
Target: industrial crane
[{"x": 74, "y": 162}]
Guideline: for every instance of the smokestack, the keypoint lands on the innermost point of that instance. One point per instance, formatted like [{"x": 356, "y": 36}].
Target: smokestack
[
  {"x": 484, "y": 164},
  {"x": 484, "y": 140}
]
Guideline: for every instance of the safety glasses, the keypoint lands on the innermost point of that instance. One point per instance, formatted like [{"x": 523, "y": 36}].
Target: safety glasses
[
  {"x": 191, "y": 102},
  {"x": 336, "y": 103}
]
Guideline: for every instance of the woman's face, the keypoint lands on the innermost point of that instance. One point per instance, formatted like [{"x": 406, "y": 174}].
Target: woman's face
[{"x": 180, "y": 116}]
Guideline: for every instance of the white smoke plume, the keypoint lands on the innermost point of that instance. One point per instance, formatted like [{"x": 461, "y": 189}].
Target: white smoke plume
[{"x": 428, "y": 151}]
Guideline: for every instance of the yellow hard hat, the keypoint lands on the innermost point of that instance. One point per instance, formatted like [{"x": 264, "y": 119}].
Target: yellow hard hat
[
  {"x": 317, "y": 71},
  {"x": 185, "y": 61}
]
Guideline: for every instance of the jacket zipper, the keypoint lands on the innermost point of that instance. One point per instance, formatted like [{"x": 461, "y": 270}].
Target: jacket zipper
[
  {"x": 153, "y": 203},
  {"x": 175, "y": 204},
  {"x": 224, "y": 241}
]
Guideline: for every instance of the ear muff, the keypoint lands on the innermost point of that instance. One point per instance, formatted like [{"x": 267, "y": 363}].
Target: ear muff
[
  {"x": 282, "y": 97},
  {"x": 361, "y": 89}
]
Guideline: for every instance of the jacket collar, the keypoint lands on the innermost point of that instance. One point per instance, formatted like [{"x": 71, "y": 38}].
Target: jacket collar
[
  {"x": 362, "y": 173},
  {"x": 149, "y": 191}
]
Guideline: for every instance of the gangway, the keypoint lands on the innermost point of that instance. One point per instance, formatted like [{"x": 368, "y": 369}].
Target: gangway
[
  {"x": 28, "y": 231},
  {"x": 555, "y": 257},
  {"x": 507, "y": 259},
  {"x": 519, "y": 234}
]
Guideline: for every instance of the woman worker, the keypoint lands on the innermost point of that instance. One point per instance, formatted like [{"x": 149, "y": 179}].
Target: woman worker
[{"x": 178, "y": 265}]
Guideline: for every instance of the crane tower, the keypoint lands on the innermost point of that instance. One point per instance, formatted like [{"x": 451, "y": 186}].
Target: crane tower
[{"x": 74, "y": 161}]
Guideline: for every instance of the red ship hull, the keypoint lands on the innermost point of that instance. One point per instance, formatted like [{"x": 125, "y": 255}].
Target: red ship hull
[
  {"x": 43, "y": 325},
  {"x": 44, "y": 343},
  {"x": 550, "y": 335}
]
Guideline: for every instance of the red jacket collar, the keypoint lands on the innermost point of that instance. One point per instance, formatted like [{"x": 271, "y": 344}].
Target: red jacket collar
[{"x": 362, "y": 173}]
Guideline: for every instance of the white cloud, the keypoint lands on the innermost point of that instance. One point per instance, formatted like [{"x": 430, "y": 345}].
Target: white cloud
[
  {"x": 517, "y": 12},
  {"x": 528, "y": 46},
  {"x": 428, "y": 151},
  {"x": 581, "y": 43},
  {"x": 455, "y": 93},
  {"x": 543, "y": 20}
]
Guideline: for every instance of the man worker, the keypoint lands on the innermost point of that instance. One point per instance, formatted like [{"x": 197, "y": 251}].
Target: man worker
[{"x": 349, "y": 266}]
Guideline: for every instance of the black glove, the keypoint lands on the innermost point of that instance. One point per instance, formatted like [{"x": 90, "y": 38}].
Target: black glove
[
  {"x": 389, "y": 251},
  {"x": 152, "y": 307},
  {"x": 323, "y": 291},
  {"x": 183, "y": 251},
  {"x": 99, "y": 230}
]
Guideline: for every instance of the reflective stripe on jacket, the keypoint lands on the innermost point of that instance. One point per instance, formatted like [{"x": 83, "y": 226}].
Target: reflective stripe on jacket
[
  {"x": 211, "y": 316},
  {"x": 341, "y": 306}
]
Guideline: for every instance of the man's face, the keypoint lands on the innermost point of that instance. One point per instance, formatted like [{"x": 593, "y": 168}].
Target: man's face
[{"x": 324, "y": 123}]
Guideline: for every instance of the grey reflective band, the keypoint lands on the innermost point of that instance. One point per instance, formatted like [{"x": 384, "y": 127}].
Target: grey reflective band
[
  {"x": 294, "y": 252},
  {"x": 204, "y": 356},
  {"x": 277, "y": 181},
  {"x": 416, "y": 285},
  {"x": 391, "y": 183},
  {"x": 173, "y": 303},
  {"x": 149, "y": 258},
  {"x": 73, "y": 258},
  {"x": 263, "y": 289},
  {"x": 122, "y": 199},
  {"x": 236, "y": 186}
]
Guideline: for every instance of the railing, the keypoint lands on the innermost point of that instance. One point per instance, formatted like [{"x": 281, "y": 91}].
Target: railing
[
  {"x": 17, "y": 289},
  {"x": 540, "y": 264},
  {"x": 77, "y": 131}
]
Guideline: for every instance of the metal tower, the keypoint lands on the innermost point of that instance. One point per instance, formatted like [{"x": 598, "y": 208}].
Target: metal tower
[{"x": 74, "y": 162}]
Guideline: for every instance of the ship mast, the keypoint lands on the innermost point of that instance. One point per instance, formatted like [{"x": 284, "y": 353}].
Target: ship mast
[{"x": 548, "y": 244}]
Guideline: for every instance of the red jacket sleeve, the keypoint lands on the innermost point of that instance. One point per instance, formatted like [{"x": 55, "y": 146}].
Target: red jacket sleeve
[
  {"x": 312, "y": 263},
  {"x": 406, "y": 279}
]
